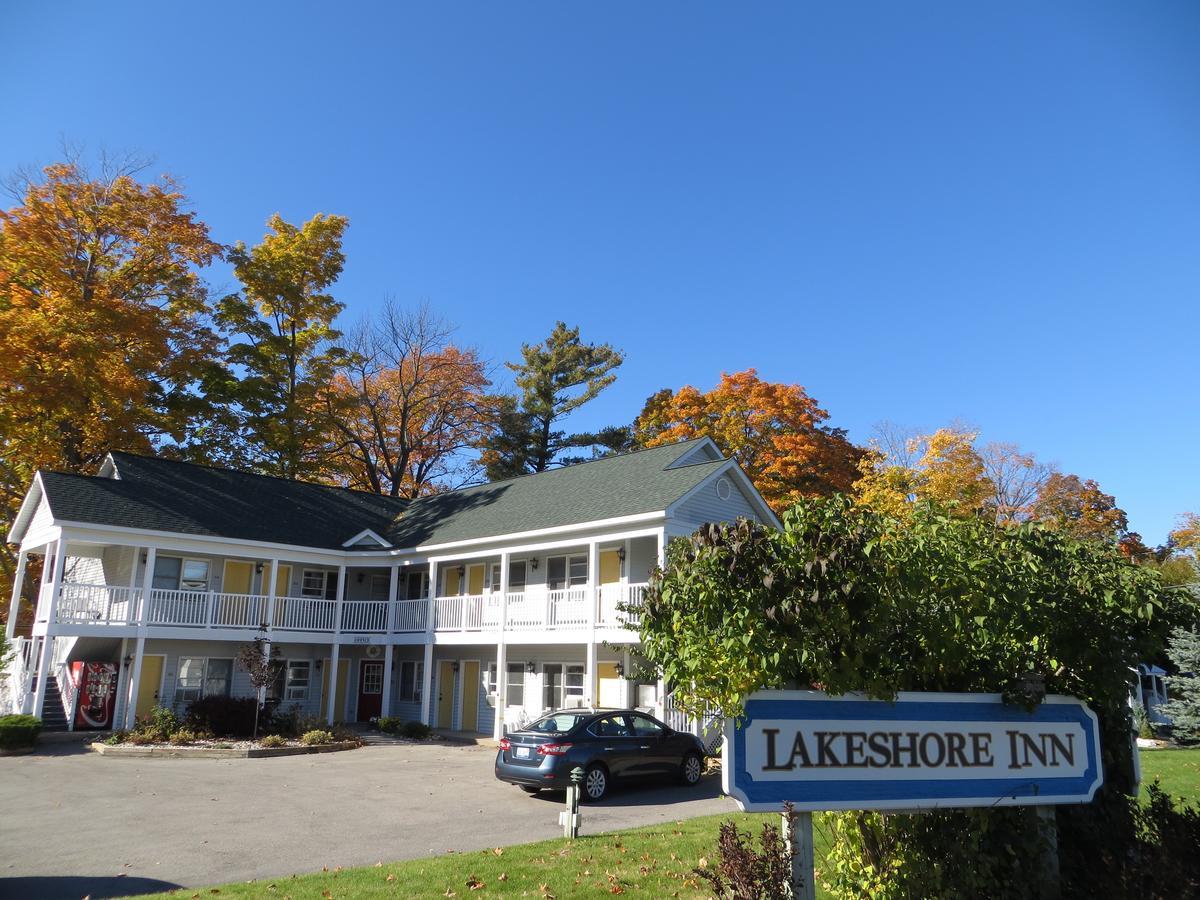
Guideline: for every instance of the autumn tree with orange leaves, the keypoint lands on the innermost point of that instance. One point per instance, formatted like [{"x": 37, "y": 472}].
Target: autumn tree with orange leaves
[
  {"x": 405, "y": 408},
  {"x": 776, "y": 432}
]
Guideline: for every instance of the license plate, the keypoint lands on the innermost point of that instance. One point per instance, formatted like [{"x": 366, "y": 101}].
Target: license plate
[{"x": 522, "y": 752}]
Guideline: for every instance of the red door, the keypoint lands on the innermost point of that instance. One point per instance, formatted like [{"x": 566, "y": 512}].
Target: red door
[{"x": 370, "y": 690}]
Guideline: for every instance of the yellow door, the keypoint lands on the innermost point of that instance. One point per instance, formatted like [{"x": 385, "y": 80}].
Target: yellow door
[
  {"x": 283, "y": 581},
  {"x": 475, "y": 580},
  {"x": 470, "y": 702},
  {"x": 343, "y": 677},
  {"x": 238, "y": 577},
  {"x": 610, "y": 567},
  {"x": 149, "y": 685},
  {"x": 453, "y": 582},
  {"x": 445, "y": 686},
  {"x": 612, "y": 690}
]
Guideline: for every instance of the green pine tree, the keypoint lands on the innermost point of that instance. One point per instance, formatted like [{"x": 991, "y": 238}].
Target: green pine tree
[
  {"x": 1184, "y": 689},
  {"x": 555, "y": 378}
]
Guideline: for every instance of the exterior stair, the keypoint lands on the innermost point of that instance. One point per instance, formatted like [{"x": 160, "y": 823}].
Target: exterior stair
[{"x": 54, "y": 717}]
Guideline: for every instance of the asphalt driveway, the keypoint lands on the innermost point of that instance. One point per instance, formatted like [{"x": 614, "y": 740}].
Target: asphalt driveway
[{"x": 76, "y": 823}]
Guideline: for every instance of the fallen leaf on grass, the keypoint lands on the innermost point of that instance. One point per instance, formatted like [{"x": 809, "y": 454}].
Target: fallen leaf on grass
[
  {"x": 499, "y": 851},
  {"x": 502, "y": 877}
]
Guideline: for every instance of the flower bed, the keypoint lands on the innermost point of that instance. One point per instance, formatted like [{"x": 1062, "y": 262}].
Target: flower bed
[{"x": 219, "y": 749}]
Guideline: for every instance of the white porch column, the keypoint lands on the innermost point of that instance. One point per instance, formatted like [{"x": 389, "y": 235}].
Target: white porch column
[
  {"x": 337, "y": 643},
  {"x": 661, "y": 537},
  {"x": 269, "y": 623},
  {"x": 593, "y": 591},
  {"x": 502, "y": 651},
  {"x": 626, "y": 698},
  {"x": 122, "y": 685},
  {"x": 393, "y": 592},
  {"x": 430, "y": 623},
  {"x": 135, "y": 676},
  {"x": 14, "y": 606},
  {"x": 427, "y": 683}
]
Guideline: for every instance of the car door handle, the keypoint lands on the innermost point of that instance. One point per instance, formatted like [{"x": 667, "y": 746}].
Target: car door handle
[{"x": 644, "y": 747}]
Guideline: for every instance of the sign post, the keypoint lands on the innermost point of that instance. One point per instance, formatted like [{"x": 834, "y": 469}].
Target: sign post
[{"x": 917, "y": 752}]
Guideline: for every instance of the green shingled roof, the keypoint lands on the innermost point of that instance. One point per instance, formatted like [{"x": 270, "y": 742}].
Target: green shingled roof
[{"x": 181, "y": 498}]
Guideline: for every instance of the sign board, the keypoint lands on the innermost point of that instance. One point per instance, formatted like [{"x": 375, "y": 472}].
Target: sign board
[{"x": 920, "y": 751}]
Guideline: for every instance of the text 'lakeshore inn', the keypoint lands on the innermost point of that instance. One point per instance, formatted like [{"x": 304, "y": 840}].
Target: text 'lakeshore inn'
[{"x": 465, "y": 609}]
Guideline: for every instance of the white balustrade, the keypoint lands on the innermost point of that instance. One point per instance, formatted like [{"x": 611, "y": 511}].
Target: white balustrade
[
  {"x": 304, "y": 614},
  {"x": 364, "y": 616},
  {"x": 411, "y": 615},
  {"x": 237, "y": 610},
  {"x": 97, "y": 603}
]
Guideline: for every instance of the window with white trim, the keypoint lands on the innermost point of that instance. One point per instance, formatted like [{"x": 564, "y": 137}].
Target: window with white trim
[
  {"x": 412, "y": 677},
  {"x": 490, "y": 676},
  {"x": 200, "y": 677},
  {"x": 195, "y": 575},
  {"x": 299, "y": 677},
  {"x": 319, "y": 584},
  {"x": 166, "y": 573},
  {"x": 514, "y": 687},
  {"x": 517, "y": 576},
  {"x": 380, "y": 586},
  {"x": 416, "y": 585},
  {"x": 566, "y": 571}
]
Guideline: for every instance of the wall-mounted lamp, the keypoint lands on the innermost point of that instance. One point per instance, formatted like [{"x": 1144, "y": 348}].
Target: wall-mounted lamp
[
  {"x": 318, "y": 665},
  {"x": 258, "y": 567},
  {"x": 533, "y": 563},
  {"x": 621, "y": 554},
  {"x": 454, "y": 666},
  {"x": 143, "y": 557},
  {"x": 462, "y": 570},
  {"x": 361, "y": 575},
  {"x": 128, "y": 661},
  {"x": 530, "y": 668},
  {"x": 620, "y": 670}
]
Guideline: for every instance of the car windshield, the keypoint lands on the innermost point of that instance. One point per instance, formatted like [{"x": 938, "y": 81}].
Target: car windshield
[{"x": 559, "y": 723}]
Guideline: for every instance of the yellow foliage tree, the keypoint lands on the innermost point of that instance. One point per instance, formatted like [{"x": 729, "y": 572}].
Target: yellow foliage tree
[{"x": 943, "y": 467}]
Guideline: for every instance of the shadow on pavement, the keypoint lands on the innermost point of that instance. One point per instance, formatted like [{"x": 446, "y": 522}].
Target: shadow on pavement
[
  {"x": 631, "y": 793},
  {"x": 73, "y": 887}
]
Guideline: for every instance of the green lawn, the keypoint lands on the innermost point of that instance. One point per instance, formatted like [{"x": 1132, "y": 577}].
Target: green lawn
[
  {"x": 656, "y": 861},
  {"x": 1177, "y": 770}
]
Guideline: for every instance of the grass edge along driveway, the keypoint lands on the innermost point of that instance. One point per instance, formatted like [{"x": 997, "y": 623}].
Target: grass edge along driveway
[{"x": 652, "y": 861}]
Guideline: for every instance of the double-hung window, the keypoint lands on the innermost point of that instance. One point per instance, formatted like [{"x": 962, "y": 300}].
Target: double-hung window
[
  {"x": 199, "y": 677},
  {"x": 298, "y": 676},
  {"x": 566, "y": 571},
  {"x": 380, "y": 587},
  {"x": 412, "y": 676},
  {"x": 319, "y": 584},
  {"x": 517, "y": 575},
  {"x": 514, "y": 686},
  {"x": 416, "y": 585},
  {"x": 195, "y": 575}
]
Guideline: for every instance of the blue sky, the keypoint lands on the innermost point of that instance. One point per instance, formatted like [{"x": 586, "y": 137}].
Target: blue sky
[{"x": 921, "y": 212}]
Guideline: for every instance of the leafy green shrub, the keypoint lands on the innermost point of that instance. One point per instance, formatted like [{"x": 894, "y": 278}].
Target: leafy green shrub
[
  {"x": 224, "y": 716},
  {"x": 18, "y": 732},
  {"x": 849, "y": 599},
  {"x": 117, "y": 737},
  {"x": 273, "y": 740},
  {"x": 415, "y": 730},
  {"x": 312, "y": 738},
  {"x": 1183, "y": 709},
  {"x": 389, "y": 724},
  {"x": 346, "y": 736}
]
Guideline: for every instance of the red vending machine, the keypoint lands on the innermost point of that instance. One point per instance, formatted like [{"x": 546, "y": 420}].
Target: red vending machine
[{"x": 96, "y": 685}]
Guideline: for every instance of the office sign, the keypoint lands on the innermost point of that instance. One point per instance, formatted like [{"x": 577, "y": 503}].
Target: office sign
[{"x": 921, "y": 751}]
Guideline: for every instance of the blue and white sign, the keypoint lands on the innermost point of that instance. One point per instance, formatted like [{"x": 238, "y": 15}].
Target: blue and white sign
[{"x": 920, "y": 751}]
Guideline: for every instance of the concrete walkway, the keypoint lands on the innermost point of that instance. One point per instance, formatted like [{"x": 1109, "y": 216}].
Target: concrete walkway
[{"x": 76, "y": 823}]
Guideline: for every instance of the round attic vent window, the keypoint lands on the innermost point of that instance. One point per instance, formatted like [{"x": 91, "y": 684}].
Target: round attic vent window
[{"x": 723, "y": 488}]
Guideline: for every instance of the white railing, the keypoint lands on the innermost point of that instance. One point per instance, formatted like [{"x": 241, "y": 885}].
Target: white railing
[
  {"x": 237, "y": 610},
  {"x": 364, "y": 616},
  {"x": 411, "y": 615},
  {"x": 619, "y": 605},
  {"x": 103, "y": 603},
  {"x": 708, "y": 726},
  {"x": 18, "y": 673},
  {"x": 304, "y": 614},
  {"x": 615, "y": 606}
]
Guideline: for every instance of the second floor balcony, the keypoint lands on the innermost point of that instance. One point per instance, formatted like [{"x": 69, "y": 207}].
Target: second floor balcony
[{"x": 576, "y": 609}]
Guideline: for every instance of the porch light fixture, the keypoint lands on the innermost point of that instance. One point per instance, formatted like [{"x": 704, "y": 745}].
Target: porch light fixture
[
  {"x": 462, "y": 570},
  {"x": 621, "y": 553},
  {"x": 143, "y": 557},
  {"x": 454, "y": 666},
  {"x": 128, "y": 661},
  {"x": 620, "y": 670},
  {"x": 361, "y": 576},
  {"x": 530, "y": 668},
  {"x": 533, "y": 563},
  {"x": 258, "y": 567}
]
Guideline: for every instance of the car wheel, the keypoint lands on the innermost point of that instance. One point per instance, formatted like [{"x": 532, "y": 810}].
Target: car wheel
[
  {"x": 692, "y": 769},
  {"x": 595, "y": 783},
  {"x": 529, "y": 789}
]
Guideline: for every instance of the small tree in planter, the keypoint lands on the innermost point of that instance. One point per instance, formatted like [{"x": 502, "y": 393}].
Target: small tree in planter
[{"x": 260, "y": 660}]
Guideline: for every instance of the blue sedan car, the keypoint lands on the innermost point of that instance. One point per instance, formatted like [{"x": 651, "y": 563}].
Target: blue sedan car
[{"x": 609, "y": 745}]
